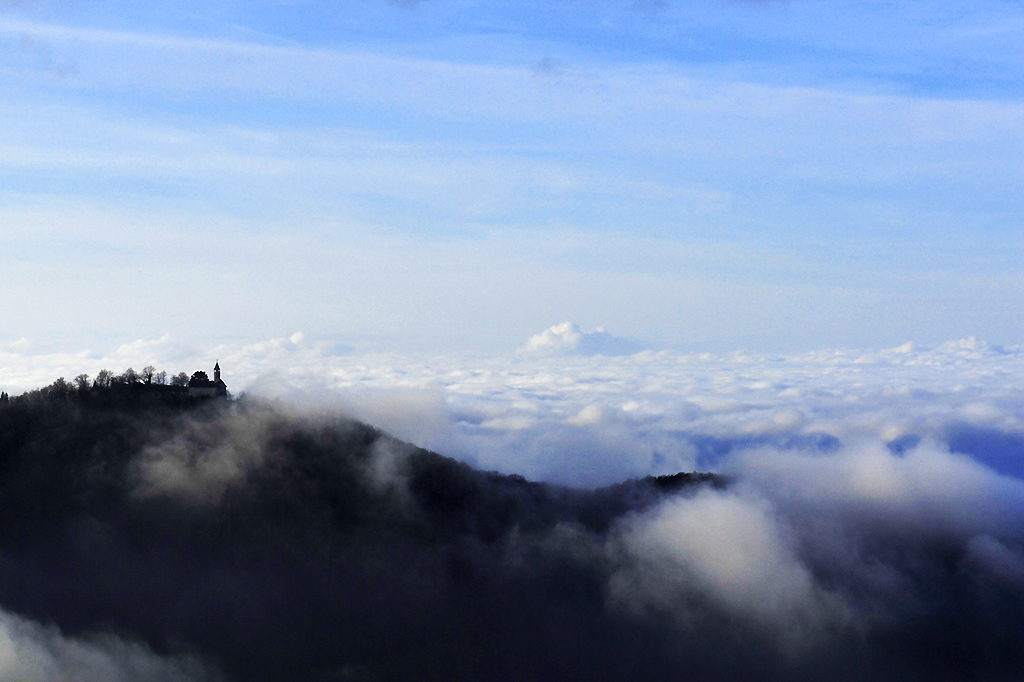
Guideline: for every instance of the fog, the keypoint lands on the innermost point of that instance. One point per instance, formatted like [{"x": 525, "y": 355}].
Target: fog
[{"x": 30, "y": 652}]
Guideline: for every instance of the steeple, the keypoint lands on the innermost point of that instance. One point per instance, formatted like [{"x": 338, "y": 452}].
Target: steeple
[{"x": 200, "y": 386}]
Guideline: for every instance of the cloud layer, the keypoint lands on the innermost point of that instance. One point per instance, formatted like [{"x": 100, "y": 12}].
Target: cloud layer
[
  {"x": 595, "y": 420},
  {"x": 30, "y": 652}
]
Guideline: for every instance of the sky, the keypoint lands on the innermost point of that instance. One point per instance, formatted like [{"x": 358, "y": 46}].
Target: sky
[{"x": 451, "y": 176}]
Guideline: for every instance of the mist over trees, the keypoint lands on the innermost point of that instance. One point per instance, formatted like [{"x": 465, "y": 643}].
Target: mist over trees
[{"x": 274, "y": 545}]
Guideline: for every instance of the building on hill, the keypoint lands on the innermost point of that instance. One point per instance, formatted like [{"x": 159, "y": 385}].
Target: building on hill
[{"x": 200, "y": 386}]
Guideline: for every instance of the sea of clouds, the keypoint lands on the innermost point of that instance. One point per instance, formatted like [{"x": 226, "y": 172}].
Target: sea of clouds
[{"x": 590, "y": 408}]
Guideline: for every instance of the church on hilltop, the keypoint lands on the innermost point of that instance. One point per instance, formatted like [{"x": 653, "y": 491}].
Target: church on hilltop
[
  {"x": 147, "y": 386},
  {"x": 200, "y": 386}
]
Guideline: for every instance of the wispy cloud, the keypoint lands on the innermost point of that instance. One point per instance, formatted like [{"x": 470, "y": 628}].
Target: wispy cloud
[{"x": 32, "y": 652}]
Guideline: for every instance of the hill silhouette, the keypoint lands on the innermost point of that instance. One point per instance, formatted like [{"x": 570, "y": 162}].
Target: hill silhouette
[
  {"x": 275, "y": 545},
  {"x": 285, "y": 547}
]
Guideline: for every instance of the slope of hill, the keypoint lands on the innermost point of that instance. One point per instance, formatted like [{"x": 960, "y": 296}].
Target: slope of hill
[
  {"x": 241, "y": 540},
  {"x": 287, "y": 547}
]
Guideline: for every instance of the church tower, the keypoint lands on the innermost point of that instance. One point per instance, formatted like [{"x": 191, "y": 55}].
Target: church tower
[{"x": 200, "y": 386}]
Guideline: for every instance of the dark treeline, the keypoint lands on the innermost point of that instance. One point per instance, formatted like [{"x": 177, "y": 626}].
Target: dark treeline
[
  {"x": 283, "y": 547},
  {"x": 129, "y": 389}
]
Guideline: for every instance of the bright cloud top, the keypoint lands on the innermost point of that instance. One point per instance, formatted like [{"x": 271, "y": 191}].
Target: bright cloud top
[
  {"x": 568, "y": 339},
  {"x": 592, "y": 420}
]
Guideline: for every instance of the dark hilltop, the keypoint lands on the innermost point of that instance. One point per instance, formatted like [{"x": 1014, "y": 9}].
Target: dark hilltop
[
  {"x": 266, "y": 545},
  {"x": 283, "y": 547}
]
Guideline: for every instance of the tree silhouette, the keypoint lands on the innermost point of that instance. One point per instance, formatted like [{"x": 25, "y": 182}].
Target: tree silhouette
[{"x": 103, "y": 378}]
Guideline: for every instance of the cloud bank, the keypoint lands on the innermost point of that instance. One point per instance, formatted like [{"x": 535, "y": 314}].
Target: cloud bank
[
  {"x": 595, "y": 420},
  {"x": 30, "y": 652}
]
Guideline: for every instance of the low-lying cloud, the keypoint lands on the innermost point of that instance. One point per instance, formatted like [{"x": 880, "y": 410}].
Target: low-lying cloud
[
  {"x": 205, "y": 456},
  {"x": 728, "y": 553},
  {"x": 594, "y": 420},
  {"x": 30, "y": 652}
]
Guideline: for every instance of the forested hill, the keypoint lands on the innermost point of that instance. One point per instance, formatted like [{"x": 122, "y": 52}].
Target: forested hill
[{"x": 280, "y": 546}]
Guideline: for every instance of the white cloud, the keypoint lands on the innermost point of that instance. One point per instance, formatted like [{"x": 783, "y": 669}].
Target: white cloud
[
  {"x": 596, "y": 420},
  {"x": 803, "y": 544},
  {"x": 203, "y": 459},
  {"x": 30, "y": 652},
  {"x": 568, "y": 339},
  {"x": 927, "y": 488},
  {"x": 996, "y": 557},
  {"x": 732, "y": 550}
]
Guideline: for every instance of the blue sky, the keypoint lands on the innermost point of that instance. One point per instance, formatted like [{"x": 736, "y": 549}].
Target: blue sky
[{"x": 459, "y": 175}]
